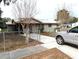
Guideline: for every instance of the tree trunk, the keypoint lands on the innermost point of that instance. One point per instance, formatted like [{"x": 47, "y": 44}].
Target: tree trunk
[{"x": 26, "y": 32}]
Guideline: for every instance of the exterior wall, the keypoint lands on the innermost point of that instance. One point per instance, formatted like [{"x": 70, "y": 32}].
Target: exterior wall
[
  {"x": 32, "y": 29},
  {"x": 74, "y": 24},
  {"x": 11, "y": 27},
  {"x": 35, "y": 29},
  {"x": 48, "y": 28}
]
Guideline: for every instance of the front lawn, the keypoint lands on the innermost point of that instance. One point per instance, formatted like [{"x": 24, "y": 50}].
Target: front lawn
[{"x": 15, "y": 41}]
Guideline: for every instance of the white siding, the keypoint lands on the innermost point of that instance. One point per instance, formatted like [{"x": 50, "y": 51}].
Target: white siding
[
  {"x": 35, "y": 29},
  {"x": 49, "y": 29},
  {"x": 75, "y": 24}
]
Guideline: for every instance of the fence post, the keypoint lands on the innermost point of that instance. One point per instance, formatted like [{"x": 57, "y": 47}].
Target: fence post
[
  {"x": 11, "y": 55},
  {"x": 4, "y": 40}
]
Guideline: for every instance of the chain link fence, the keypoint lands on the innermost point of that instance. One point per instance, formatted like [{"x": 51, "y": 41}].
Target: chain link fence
[{"x": 10, "y": 41}]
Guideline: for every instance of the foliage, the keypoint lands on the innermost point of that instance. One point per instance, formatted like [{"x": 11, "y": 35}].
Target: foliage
[
  {"x": 5, "y": 19},
  {"x": 7, "y": 2},
  {"x": 0, "y": 1},
  {"x": 3, "y": 22},
  {"x": 56, "y": 19},
  {"x": 73, "y": 20},
  {"x": 13, "y": 21},
  {"x": 4, "y": 30},
  {"x": 0, "y": 12},
  {"x": 3, "y": 25}
]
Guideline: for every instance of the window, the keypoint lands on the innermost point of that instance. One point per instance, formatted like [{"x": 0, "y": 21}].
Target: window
[
  {"x": 74, "y": 30},
  {"x": 49, "y": 25}
]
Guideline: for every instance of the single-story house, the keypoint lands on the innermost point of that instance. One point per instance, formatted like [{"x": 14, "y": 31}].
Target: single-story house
[
  {"x": 74, "y": 24},
  {"x": 36, "y": 26}
]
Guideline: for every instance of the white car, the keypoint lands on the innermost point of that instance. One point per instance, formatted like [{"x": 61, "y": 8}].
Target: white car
[{"x": 70, "y": 36}]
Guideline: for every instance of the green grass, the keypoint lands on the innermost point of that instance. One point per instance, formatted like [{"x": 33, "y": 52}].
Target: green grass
[{"x": 3, "y": 30}]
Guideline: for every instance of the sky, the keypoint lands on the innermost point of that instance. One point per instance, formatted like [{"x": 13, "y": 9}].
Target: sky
[{"x": 47, "y": 9}]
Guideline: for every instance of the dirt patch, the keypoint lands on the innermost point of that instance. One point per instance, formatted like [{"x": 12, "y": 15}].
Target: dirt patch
[
  {"x": 51, "y": 34},
  {"x": 15, "y": 41},
  {"x": 48, "y": 54}
]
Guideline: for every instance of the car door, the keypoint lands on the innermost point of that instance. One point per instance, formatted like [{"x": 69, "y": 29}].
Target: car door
[
  {"x": 69, "y": 37},
  {"x": 76, "y": 39},
  {"x": 73, "y": 34}
]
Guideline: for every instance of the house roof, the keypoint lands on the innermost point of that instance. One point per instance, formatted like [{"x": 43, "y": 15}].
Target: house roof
[
  {"x": 10, "y": 23},
  {"x": 29, "y": 20},
  {"x": 36, "y": 21},
  {"x": 48, "y": 21}
]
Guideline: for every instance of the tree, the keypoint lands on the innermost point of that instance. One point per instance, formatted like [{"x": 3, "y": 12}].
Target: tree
[
  {"x": 6, "y": 19},
  {"x": 7, "y": 2},
  {"x": 0, "y": 1},
  {"x": 0, "y": 13},
  {"x": 3, "y": 22},
  {"x": 73, "y": 20},
  {"x": 25, "y": 9}
]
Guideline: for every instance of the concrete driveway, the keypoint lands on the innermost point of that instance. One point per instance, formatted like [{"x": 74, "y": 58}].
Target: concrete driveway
[{"x": 49, "y": 42}]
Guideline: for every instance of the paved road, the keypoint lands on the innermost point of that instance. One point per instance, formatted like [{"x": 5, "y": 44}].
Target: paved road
[{"x": 49, "y": 42}]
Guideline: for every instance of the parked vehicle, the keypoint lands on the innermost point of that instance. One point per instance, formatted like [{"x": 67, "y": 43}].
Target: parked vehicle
[{"x": 70, "y": 36}]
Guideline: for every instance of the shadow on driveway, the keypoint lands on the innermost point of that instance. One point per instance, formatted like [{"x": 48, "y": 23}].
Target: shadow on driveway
[{"x": 72, "y": 45}]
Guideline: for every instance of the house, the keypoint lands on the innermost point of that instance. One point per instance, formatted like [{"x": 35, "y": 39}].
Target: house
[
  {"x": 74, "y": 24},
  {"x": 36, "y": 26},
  {"x": 49, "y": 25}
]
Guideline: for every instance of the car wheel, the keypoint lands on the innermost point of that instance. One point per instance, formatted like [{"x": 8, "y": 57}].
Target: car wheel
[{"x": 60, "y": 40}]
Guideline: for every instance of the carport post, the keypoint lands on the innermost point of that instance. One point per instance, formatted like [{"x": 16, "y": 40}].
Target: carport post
[{"x": 4, "y": 40}]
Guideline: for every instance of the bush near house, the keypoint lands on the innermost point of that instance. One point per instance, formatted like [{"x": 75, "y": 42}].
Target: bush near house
[
  {"x": 73, "y": 20},
  {"x": 3, "y": 25}
]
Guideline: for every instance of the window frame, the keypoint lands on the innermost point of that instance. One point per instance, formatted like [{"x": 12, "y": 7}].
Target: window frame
[{"x": 73, "y": 30}]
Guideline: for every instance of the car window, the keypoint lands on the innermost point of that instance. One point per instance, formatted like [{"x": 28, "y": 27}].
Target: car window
[{"x": 74, "y": 30}]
